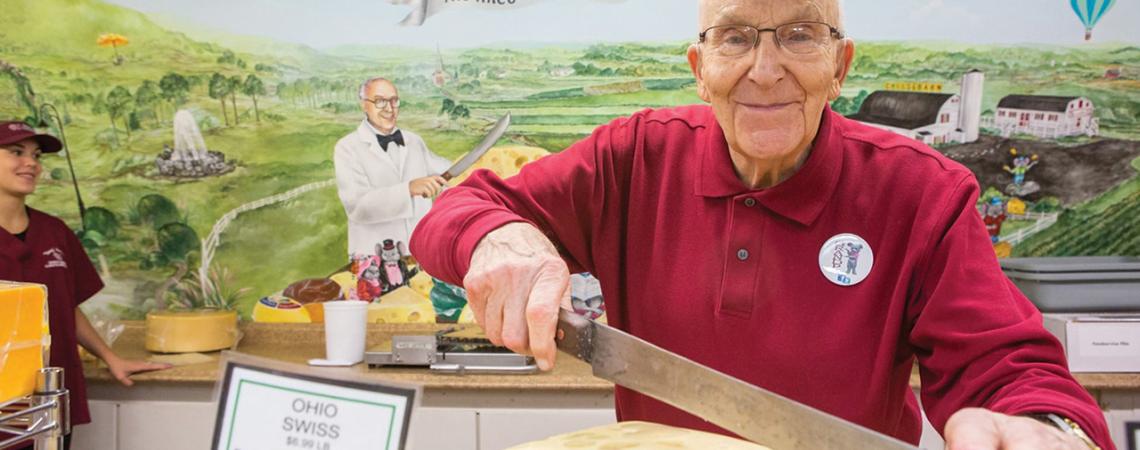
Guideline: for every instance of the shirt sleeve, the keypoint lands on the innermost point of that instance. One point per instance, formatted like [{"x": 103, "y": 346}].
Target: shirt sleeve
[
  {"x": 364, "y": 203},
  {"x": 87, "y": 280},
  {"x": 979, "y": 341},
  {"x": 569, "y": 196}
]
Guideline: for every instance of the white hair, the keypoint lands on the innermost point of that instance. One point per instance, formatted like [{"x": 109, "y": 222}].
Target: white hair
[{"x": 364, "y": 85}]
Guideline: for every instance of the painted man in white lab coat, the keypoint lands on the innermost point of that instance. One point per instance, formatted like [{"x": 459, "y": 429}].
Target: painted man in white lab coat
[{"x": 386, "y": 177}]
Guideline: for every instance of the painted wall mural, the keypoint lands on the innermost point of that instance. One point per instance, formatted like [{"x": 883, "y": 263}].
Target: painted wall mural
[{"x": 199, "y": 169}]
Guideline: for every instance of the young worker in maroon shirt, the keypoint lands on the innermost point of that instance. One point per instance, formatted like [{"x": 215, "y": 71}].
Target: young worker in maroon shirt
[
  {"x": 769, "y": 238},
  {"x": 38, "y": 248}
]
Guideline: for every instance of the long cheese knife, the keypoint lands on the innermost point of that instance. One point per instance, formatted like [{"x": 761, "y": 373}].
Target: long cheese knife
[
  {"x": 751, "y": 412},
  {"x": 477, "y": 152}
]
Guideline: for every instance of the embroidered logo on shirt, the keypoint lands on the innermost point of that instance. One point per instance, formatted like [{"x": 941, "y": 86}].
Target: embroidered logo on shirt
[
  {"x": 846, "y": 259},
  {"x": 56, "y": 260}
]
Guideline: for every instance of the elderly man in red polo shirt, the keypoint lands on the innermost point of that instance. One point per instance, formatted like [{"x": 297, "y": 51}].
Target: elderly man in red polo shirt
[{"x": 769, "y": 238}]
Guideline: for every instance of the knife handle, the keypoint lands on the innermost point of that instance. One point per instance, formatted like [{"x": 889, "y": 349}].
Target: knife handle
[{"x": 575, "y": 335}]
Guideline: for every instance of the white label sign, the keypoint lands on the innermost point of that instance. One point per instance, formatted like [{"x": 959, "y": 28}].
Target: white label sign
[
  {"x": 270, "y": 409},
  {"x": 1110, "y": 340}
]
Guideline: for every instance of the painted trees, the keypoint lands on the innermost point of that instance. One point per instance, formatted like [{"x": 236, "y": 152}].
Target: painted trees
[
  {"x": 218, "y": 90},
  {"x": 253, "y": 87}
]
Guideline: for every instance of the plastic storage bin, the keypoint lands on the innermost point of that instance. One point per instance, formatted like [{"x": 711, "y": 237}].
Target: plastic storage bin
[{"x": 1078, "y": 284}]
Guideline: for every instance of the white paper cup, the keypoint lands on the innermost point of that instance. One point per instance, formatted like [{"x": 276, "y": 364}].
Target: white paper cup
[{"x": 345, "y": 324}]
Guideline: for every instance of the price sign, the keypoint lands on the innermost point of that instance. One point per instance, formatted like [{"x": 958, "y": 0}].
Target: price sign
[{"x": 269, "y": 405}]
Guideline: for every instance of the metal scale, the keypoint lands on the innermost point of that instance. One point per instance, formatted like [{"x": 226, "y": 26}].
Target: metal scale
[{"x": 451, "y": 351}]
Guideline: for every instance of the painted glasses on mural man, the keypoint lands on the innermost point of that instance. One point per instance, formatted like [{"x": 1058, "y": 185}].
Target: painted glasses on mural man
[{"x": 224, "y": 156}]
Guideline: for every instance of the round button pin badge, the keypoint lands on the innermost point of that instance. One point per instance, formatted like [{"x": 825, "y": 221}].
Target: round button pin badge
[{"x": 846, "y": 259}]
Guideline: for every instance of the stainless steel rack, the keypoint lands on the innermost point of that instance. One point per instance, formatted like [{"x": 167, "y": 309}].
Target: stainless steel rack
[{"x": 42, "y": 416}]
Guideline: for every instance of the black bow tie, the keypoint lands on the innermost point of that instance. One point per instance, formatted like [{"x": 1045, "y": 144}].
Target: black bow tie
[{"x": 396, "y": 137}]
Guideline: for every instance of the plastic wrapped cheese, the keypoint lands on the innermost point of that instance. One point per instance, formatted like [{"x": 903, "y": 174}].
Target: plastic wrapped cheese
[
  {"x": 639, "y": 435},
  {"x": 190, "y": 331},
  {"x": 505, "y": 161},
  {"x": 24, "y": 337},
  {"x": 403, "y": 305}
]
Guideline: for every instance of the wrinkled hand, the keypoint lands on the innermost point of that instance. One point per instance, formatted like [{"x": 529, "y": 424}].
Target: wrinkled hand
[
  {"x": 427, "y": 187},
  {"x": 122, "y": 369},
  {"x": 982, "y": 429},
  {"x": 515, "y": 286}
]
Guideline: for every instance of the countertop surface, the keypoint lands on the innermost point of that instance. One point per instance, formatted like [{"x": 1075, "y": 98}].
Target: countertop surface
[{"x": 297, "y": 343}]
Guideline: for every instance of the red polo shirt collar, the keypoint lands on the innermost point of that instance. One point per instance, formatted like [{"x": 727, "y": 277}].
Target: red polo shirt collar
[{"x": 800, "y": 198}]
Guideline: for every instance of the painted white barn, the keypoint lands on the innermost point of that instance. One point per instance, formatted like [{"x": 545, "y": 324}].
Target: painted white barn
[
  {"x": 932, "y": 118},
  {"x": 1046, "y": 116}
]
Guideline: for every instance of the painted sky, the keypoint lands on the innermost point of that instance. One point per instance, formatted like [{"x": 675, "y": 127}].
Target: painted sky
[{"x": 330, "y": 23}]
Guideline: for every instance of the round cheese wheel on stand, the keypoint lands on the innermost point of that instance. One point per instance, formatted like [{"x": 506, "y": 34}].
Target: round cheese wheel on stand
[{"x": 639, "y": 435}]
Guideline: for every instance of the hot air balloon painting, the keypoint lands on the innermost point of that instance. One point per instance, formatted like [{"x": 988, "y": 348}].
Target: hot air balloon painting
[{"x": 1090, "y": 12}]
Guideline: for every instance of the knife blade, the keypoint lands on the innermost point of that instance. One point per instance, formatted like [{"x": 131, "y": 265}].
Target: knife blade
[
  {"x": 477, "y": 152},
  {"x": 749, "y": 411}
]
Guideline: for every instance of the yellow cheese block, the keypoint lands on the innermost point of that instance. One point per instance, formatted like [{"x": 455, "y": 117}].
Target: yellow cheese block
[
  {"x": 466, "y": 316},
  {"x": 403, "y": 305},
  {"x": 346, "y": 281},
  {"x": 279, "y": 309},
  {"x": 505, "y": 161},
  {"x": 421, "y": 283},
  {"x": 1003, "y": 249},
  {"x": 639, "y": 435},
  {"x": 190, "y": 331},
  {"x": 24, "y": 338},
  {"x": 316, "y": 312}
]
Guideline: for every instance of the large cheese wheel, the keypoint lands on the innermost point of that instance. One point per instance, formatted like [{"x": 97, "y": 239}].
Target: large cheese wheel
[
  {"x": 639, "y": 435},
  {"x": 190, "y": 331},
  {"x": 278, "y": 309},
  {"x": 403, "y": 305},
  {"x": 505, "y": 161},
  {"x": 23, "y": 337}
]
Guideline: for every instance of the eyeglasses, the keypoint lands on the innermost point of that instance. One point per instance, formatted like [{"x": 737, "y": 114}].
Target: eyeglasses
[
  {"x": 799, "y": 37},
  {"x": 379, "y": 102}
]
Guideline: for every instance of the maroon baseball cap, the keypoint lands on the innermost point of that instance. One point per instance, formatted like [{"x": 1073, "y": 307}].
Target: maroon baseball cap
[{"x": 14, "y": 131}]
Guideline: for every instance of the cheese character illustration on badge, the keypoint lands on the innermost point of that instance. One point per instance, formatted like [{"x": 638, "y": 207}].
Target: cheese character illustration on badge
[
  {"x": 853, "y": 257},
  {"x": 846, "y": 259}
]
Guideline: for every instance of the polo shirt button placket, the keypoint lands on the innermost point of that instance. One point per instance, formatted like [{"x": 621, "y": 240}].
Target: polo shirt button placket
[{"x": 737, "y": 290}]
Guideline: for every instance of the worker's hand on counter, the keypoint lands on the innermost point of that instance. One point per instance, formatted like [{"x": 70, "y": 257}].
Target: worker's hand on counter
[
  {"x": 122, "y": 369},
  {"x": 982, "y": 429},
  {"x": 427, "y": 187},
  {"x": 515, "y": 286}
]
